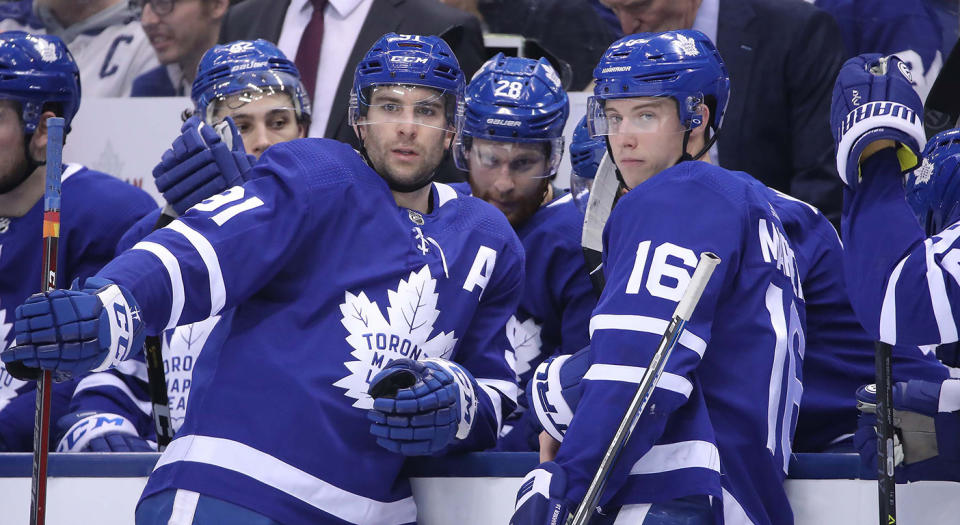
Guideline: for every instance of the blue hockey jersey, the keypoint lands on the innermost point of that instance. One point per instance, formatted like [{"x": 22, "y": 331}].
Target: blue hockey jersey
[
  {"x": 907, "y": 28},
  {"x": 722, "y": 418},
  {"x": 905, "y": 289},
  {"x": 96, "y": 210},
  {"x": 839, "y": 354},
  {"x": 329, "y": 280}
]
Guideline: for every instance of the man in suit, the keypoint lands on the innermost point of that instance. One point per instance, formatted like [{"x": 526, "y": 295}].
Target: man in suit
[
  {"x": 782, "y": 56},
  {"x": 273, "y": 20}
]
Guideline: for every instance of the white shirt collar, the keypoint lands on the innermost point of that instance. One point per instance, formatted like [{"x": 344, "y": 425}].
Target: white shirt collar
[
  {"x": 342, "y": 7},
  {"x": 708, "y": 16}
]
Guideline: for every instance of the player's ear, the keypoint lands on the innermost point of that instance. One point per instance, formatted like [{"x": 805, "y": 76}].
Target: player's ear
[
  {"x": 698, "y": 134},
  {"x": 356, "y": 130},
  {"x": 218, "y": 8},
  {"x": 38, "y": 142}
]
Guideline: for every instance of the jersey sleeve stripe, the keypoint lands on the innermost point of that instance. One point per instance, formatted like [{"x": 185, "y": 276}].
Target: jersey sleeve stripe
[
  {"x": 134, "y": 368},
  {"x": 634, "y": 374},
  {"x": 508, "y": 389},
  {"x": 218, "y": 291},
  {"x": 496, "y": 401},
  {"x": 184, "y": 507},
  {"x": 642, "y": 323},
  {"x": 176, "y": 278},
  {"x": 942, "y": 311},
  {"x": 888, "y": 310},
  {"x": 106, "y": 379},
  {"x": 676, "y": 456},
  {"x": 536, "y": 482},
  {"x": 733, "y": 513},
  {"x": 248, "y": 461},
  {"x": 949, "y": 396}
]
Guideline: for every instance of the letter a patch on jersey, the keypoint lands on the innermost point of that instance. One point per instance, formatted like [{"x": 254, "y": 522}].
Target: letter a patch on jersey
[{"x": 404, "y": 332}]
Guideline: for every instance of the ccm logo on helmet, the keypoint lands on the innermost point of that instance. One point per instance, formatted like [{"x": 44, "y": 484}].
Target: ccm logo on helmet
[{"x": 409, "y": 59}]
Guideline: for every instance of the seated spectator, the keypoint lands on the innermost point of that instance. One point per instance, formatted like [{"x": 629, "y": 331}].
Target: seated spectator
[
  {"x": 104, "y": 36},
  {"x": 782, "y": 56},
  {"x": 180, "y": 33}
]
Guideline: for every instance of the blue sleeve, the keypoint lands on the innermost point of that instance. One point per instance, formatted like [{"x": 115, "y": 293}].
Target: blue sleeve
[
  {"x": 904, "y": 289},
  {"x": 17, "y": 418},
  {"x": 138, "y": 231},
  {"x": 227, "y": 248},
  {"x": 123, "y": 391},
  {"x": 644, "y": 237},
  {"x": 484, "y": 348}
]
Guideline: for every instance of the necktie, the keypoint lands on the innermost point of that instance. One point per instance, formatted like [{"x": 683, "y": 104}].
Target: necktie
[{"x": 308, "y": 52}]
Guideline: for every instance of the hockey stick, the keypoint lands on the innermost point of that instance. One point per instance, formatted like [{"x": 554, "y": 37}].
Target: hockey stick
[
  {"x": 886, "y": 481},
  {"x": 691, "y": 296},
  {"x": 602, "y": 195},
  {"x": 48, "y": 278},
  {"x": 942, "y": 107}
]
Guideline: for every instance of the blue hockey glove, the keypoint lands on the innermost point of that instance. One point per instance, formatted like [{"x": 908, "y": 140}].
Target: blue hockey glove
[
  {"x": 873, "y": 99},
  {"x": 200, "y": 164},
  {"x": 540, "y": 498},
  {"x": 927, "y": 436},
  {"x": 420, "y": 407},
  {"x": 99, "y": 432},
  {"x": 74, "y": 331},
  {"x": 554, "y": 391}
]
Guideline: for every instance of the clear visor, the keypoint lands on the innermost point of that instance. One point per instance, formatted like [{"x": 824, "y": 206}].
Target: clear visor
[
  {"x": 628, "y": 116},
  {"x": 533, "y": 158},
  {"x": 580, "y": 191},
  {"x": 404, "y": 104},
  {"x": 244, "y": 88}
]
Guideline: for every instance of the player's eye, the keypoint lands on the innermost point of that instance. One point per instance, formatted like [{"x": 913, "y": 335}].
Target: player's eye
[
  {"x": 426, "y": 111},
  {"x": 521, "y": 164},
  {"x": 391, "y": 108},
  {"x": 614, "y": 118},
  {"x": 279, "y": 123}
]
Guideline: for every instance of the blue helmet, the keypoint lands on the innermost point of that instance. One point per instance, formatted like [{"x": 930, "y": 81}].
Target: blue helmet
[
  {"x": 933, "y": 188},
  {"x": 513, "y": 99},
  {"x": 37, "y": 70},
  {"x": 586, "y": 151},
  {"x": 684, "y": 65},
  {"x": 414, "y": 60},
  {"x": 253, "y": 68}
]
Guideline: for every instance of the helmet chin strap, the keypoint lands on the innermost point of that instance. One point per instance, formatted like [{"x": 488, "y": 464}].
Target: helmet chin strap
[
  {"x": 401, "y": 187},
  {"x": 32, "y": 166}
]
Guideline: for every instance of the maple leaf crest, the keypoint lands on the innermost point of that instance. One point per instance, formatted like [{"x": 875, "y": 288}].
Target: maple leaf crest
[
  {"x": 525, "y": 339},
  {"x": 688, "y": 45},
  {"x": 922, "y": 174},
  {"x": 404, "y": 332}
]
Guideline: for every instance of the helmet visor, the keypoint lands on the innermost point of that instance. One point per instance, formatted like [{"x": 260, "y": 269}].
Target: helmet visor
[
  {"x": 633, "y": 115},
  {"x": 243, "y": 88},
  {"x": 405, "y": 104},
  {"x": 532, "y": 158}
]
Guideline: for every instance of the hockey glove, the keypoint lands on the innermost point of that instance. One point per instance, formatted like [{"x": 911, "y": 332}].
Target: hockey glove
[
  {"x": 201, "y": 164},
  {"x": 74, "y": 331},
  {"x": 873, "y": 99},
  {"x": 421, "y": 407},
  {"x": 554, "y": 391},
  {"x": 99, "y": 432},
  {"x": 540, "y": 498},
  {"x": 927, "y": 433}
]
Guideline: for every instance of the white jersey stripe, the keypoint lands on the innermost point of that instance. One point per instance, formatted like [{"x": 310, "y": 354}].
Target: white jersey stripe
[
  {"x": 176, "y": 278},
  {"x": 938, "y": 296},
  {"x": 445, "y": 192},
  {"x": 888, "y": 310},
  {"x": 184, "y": 507},
  {"x": 642, "y": 323},
  {"x": 218, "y": 291},
  {"x": 634, "y": 374},
  {"x": 733, "y": 513},
  {"x": 101, "y": 379},
  {"x": 494, "y": 396},
  {"x": 244, "y": 459},
  {"x": 676, "y": 456},
  {"x": 506, "y": 388},
  {"x": 632, "y": 514}
]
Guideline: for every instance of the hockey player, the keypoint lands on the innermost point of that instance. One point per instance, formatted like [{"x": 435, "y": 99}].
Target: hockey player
[
  {"x": 41, "y": 80},
  {"x": 105, "y": 37},
  {"x": 258, "y": 91},
  {"x": 344, "y": 278},
  {"x": 653, "y": 94},
  {"x": 511, "y": 145}
]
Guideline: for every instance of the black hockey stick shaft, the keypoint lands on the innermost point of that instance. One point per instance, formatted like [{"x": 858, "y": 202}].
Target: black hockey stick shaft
[
  {"x": 691, "y": 296},
  {"x": 886, "y": 482},
  {"x": 942, "y": 107},
  {"x": 48, "y": 277},
  {"x": 156, "y": 379}
]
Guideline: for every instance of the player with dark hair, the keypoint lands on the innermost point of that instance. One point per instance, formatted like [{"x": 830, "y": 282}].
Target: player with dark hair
[{"x": 360, "y": 292}]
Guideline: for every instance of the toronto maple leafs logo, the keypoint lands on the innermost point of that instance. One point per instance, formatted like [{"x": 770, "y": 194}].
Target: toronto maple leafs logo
[
  {"x": 688, "y": 45},
  {"x": 404, "y": 332},
  {"x": 525, "y": 339},
  {"x": 46, "y": 49},
  {"x": 922, "y": 174}
]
